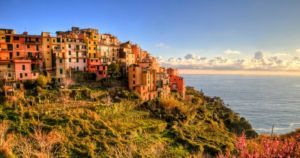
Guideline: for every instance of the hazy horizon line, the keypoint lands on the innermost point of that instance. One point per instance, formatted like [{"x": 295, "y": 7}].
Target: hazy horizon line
[{"x": 239, "y": 72}]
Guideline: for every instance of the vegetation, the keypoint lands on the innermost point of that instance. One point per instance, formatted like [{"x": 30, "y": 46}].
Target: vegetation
[
  {"x": 90, "y": 121},
  {"x": 114, "y": 70},
  {"x": 266, "y": 146}
]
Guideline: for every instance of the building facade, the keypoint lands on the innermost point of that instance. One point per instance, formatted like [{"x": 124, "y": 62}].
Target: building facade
[{"x": 25, "y": 57}]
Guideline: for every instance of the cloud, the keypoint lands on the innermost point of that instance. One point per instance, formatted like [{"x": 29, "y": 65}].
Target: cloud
[
  {"x": 231, "y": 52},
  {"x": 259, "y": 61},
  {"x": 191, "y": 57},
  {"x": 297, "y": 50},
  {"x": 259, "y": 55},
  {"x": 161, "y": 45}
]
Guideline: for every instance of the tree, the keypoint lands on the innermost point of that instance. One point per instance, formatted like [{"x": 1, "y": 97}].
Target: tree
[{"x": 114, "y": 70}]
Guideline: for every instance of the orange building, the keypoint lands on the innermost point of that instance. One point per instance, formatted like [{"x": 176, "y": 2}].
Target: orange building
[
  {"x": 16, "y": 49},
  {"x": 142, "y": 81},
  {"x": 97, "y": 67},
  {"x": 176, "y": 82},
  {"x": 137, "y": 51}
]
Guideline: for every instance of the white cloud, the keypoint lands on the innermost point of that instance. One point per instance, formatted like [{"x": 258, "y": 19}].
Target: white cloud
[
  {"x": 259, "y": 61},
  {"x": 297, "y": 50},
  {"x": 161, "y": 45},
  {"x": 231, "y": 52}
]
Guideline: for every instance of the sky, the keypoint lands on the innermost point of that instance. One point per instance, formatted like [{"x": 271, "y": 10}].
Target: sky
[{"x": 190, "y": 34}]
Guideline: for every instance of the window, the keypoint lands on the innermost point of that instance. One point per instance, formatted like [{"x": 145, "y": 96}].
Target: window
[
  {"x": 28, "y": 46},
  {"x": 21, "y": 75},
  {"x": 7, "y": 38},
  {"x": 77, "y": 68},
  {"x": 9, "y": 74},
  {"x": 77, "y": 60},
  {"x": 48, "y": 39},
  {"x": 133, "y": 82},
  {"x": 69, "y": 45},
  {"x": 25, "y": 74},
  {"x": 60, "y": 60},
  {"x": 18, "y": 53},
  {"x": 10, "y": 47},
  {"x": 23, "y": 67},
  {"x": 48, "y": 46},
  {"x": 133, "y": 75},
  {"x": 84, "y": 60},
  {"x": 16, "y": 38},
  {"x": 69, "y": 52},
  {"x": 70, "y": 60},
  {"x": 61, "y": 71},
  {"x": 17, "y": 46},
  {"x": 8, "y": 65}
]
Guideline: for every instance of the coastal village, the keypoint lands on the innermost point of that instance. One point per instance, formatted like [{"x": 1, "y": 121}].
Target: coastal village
[{"x": 24, "y": 57}]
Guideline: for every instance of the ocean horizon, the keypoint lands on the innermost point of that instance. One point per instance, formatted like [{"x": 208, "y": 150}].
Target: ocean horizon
[{"x": 265, "y": 101}]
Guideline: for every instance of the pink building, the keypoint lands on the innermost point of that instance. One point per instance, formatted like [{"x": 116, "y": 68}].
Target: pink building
[
  {"x": 77, "y": 64},
  {"x": 23, "y": 70}
]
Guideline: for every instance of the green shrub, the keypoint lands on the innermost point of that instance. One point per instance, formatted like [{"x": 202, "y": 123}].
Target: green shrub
[{"x": 42, "y": 81}]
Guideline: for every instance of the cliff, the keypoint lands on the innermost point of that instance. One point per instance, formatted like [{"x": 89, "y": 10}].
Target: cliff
[{"x": 87, "y": 120}]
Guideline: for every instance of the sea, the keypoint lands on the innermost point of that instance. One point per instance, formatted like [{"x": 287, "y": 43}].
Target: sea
[{"x": 265, "y": 101}]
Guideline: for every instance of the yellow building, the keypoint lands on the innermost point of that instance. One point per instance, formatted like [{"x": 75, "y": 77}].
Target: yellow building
[
  {"x": 91, "y": 38},
  {"x": 47, "y": 52}
]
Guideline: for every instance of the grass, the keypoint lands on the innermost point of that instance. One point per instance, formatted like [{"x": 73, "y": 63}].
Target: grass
[{"x": 94, "y": 122}]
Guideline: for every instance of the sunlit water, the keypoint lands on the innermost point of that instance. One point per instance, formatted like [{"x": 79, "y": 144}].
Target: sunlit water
[{"x": 263, "y": 100}]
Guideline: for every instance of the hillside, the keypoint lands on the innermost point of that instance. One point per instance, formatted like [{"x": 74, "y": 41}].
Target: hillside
[{"x": 87, "y": 120}]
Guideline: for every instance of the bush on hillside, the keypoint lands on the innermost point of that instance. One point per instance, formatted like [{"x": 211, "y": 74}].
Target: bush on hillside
[{"x": 42, "y": 81}]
